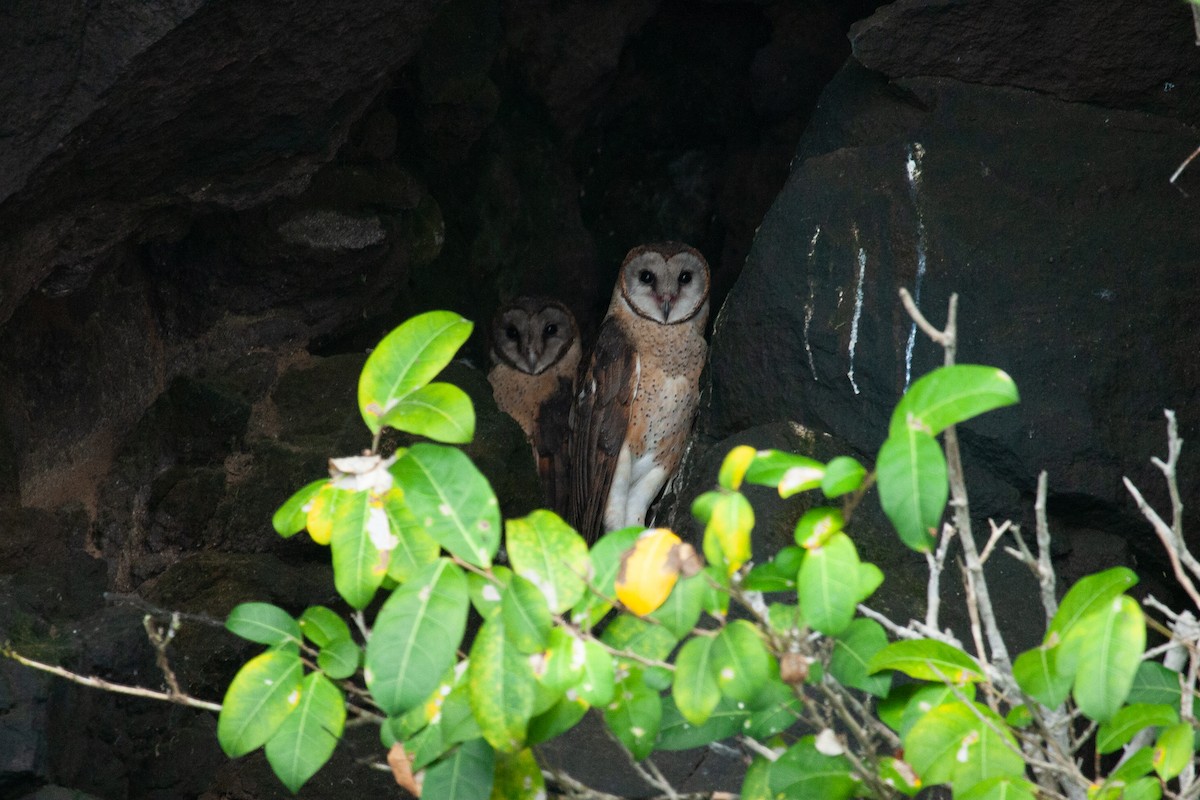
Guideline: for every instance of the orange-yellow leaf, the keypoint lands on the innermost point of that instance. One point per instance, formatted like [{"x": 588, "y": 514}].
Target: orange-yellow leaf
[
  {"x": 649, "y": 570},
  {"x": 320, "y": 516},
  {"x": 733, "y": 469}
]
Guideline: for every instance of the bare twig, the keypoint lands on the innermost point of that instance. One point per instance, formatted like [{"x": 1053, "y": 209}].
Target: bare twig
[
  {"x": 936, "y": 562},
  {"x": 1167, "y": 537},
  {"x": 940, "y": 337},
  {"x": 160, "y": 638},
  {"x": 108, "y": 686},
  {"x": 1045, "y": 570},
  {"x": 997, "y": 532}
]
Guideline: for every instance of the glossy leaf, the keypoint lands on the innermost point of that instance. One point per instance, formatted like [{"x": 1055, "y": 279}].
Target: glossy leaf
[
  {"x": 927, "y": 660},
  {"x": 818, "y": 524},
  {"x": 548, "y": 552},
  {"x": 950, "y": 395},
  {"x": 1038, "y": 674},
  {"x": 1143, "y": 789},
  {"x": 634, "y": 716},
  {"x": 757, "y": 783},
  {"x": 308, "y": 736},
  {"x": 527, "y": 619},
  {"x": 925, "y": 698},
  {"x": 340, "y": 659},
  {"x": 465, "y": 774},
  {"x": 358, "y": 566},
  {"x": 962, "y": 745},
  {"x": 518, "y": 776},
  {"x": 321, "y": 510},
  {"x": 785, "y": 471},
  {"x": 1004, "y": 787},
  {"x": 415, "y": 549},
  {"x": 292, "y": 516},
  {"x": 702, "y": 506},
  {"x": 322, "y": 626},
  {"x": 605, "y": 560},
  {"x": 680, "y": 612},
  {"x": 740, "y": 661},
  {"x": 649, "y": 571},
  {"x": 827, "y": 585},
  {"x": 899, "y": 774},
  {"x": 695, "y": 686},
  {"x": 565, "y": 655},
  {"x": 638, "y": 636},
  {"x": 416, "y": 636},
  {"x": 1131, "y": 720},
  {"x": 560, "y": 718},
  {"x": 263, "y": 623},
  {"x": 776, "y": 575},
  {"x": 1089, "y": 595},
  {"x": 913, "y": 486},
  {"x": 802, "y": 771},
  {"x": 1155, "y": 683},
  {"x": 261, "y": 696},
  {"x": 853, "y": 650},
  {"x": 408, "y": 358},
  {"x": 842, "y": 476},
  {"x": 599, "y": 675},
  {"x": 773, "y": 711},
  {"x": 1174, "y": 750},
  {"x": 734, "y": 467},
  {"x": 1110, "y": 642},
  {"x": 676, "y": 733},
  {"x": 501, "y": 685},
  {"x": 439, "y": 411},
  {"x": 451, "y": 499},
  {"x": 729, "y": 526}
]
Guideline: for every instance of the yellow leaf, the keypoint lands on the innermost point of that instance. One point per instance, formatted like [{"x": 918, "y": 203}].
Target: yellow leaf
[
  {"x": 649, "y": 570},
  {"x": 733, "y": 469},
  {"x": 320, "y": 516}
]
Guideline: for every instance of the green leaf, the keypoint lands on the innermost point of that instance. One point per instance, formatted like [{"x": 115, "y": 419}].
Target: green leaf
[
  {"x": 817, "y": 525},
  {"x": 702, "y": 506},
  {"x": 1174, "y": 749},
  {"x": 1003, "y": 787},
  {"x": 340, "y": 659},
  {"x": 562, "y": 667},
  {"x": 634, "y": 716},
  {"x": 676, "y": 733},
  {"x": 913, "y": 486},
  {"x": 927, "y": 660},
  {"x": 258, "y": 700},
  {"x": 1110, "y": 642},
  {"x": 548, "y": 552},
  {"x": 776, "y": 709},
  {"x": 451, "y": 499},
  {"x": 639, "y": 636},
  {"x": 408, "y": 358},
  {"x": 606, "y": 562},
  {"x": 560, "y": 718},
  {"x": 1155, "y": 683},
  {"x": 323, "y": 626},
  {"x": 526, "y": 618},
  {"x": 925, "y": 699},
  {"x": 263, "y": 623},
  {"x": 1087, "y": 596},
  {"x": 757, "y": 783},
  {"x": 292, "y": 516},
  {"x": 518, "y": 776},
  {"x": 599, "y": 675},
  {"x": 416, "y": 637},
  {"x": 681, "y": 611},
  {"x": 501, "y": 684},
  {"x": 827, "y": 585},
  {"x": 695, "y": 686},
  {"x": 415, "y": 549},
  {"x": 308, "y": 736},
  {"x": 439, "y": 411},
  {"x": 842, "y": 476},
  {"x": 1144, "y": 789},
  {"x": 870, "y": 578},
  {"x": 853, "y": 650},
  {"x": 1131, "y": 720},
  {"x": 963, "y": 745},
  {"x": 358, "y": 567},
  {"x": 950, "y": 395},
  {"x": 486, "y": 594},
  {"x": 802, "y": 771},
  {"x": 1038, "y": 674},
  {"x": 778, "y": 574},
  {"x": 465, "y": 774},
  {"x": 898, "y": 774},
  {"x": 740, "y": 661},
  {"x": 1135, "y": 766},
  {"x": 787, "y": 471}
]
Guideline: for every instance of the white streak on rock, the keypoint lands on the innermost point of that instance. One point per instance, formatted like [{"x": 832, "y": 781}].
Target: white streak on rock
[
  {"x": 858, "y": 305},
  {"x": 809, "y": 309},
  {"x": 915, "y": 153}
]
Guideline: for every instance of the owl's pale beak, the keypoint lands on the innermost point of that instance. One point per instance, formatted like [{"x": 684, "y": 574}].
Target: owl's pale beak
[
  {"x": 531, "y": 359},
  {"x": 666, "y": 308}
]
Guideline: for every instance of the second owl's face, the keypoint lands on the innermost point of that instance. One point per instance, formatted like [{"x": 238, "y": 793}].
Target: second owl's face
[
  {"x": 666, "y": 283},
  {"x": 532, "y": 335}
]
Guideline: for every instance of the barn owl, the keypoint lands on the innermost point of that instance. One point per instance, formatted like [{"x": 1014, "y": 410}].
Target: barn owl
[
  {"x": 635, "y": 403},
  {"x": 536, "y": 352}
]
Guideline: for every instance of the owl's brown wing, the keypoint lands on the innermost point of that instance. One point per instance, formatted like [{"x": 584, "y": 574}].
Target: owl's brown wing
[
  {"x": 551, "y": 446},
  {"x": 599, "y": 422}
]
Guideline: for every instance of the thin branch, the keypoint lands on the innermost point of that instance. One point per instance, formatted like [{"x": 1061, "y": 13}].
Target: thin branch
[
  {"x": 997, "y": 532},
  {"x": 937, "y": 563},
  {"x": 1167, "y": 537},
  {"x": 108, "y": 686},
  {"x": 757, "y": 747},
  {"x": 940, "y": 337},
  {"x": 1195, "y": 152},
  {"x": 1045, "y": 570}
]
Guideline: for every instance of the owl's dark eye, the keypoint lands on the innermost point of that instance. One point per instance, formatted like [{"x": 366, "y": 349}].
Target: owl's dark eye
[
  {"x": 685, "y": 277},
  {"x": 550, "y": 330},
  {"x": 646, "y": 277},
  {"x": 512, "y": 333}
]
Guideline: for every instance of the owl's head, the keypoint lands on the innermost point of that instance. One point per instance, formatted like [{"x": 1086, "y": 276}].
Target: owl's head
[
  {"x": 665, "y": 282},
  {"x": 532, "y": 334}
]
